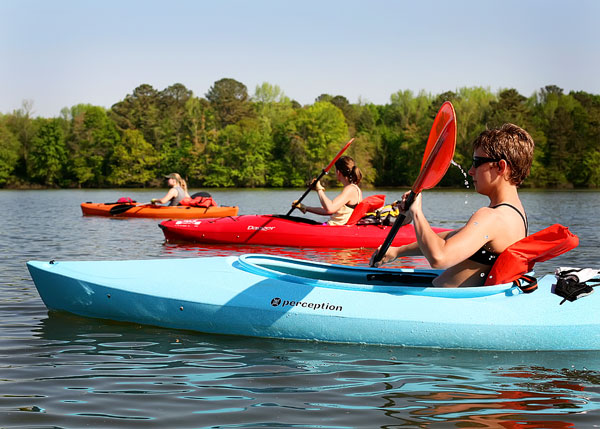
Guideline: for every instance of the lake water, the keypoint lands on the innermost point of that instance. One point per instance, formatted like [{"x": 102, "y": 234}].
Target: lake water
[{"x": 58, "y": 370}]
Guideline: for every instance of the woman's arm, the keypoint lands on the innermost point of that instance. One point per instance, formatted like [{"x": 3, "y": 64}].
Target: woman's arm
[
  {"x": 445, "y": 252},
  {"x": 171, "y": 194},
  {"x": 329, "y": 207},
  {"x": 411, "y": 249}
]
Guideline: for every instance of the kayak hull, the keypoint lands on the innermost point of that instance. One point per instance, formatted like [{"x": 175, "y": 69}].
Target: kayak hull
[
  {"x": 159, "y": 212},
  {"x": 276, "y": 297},
  {"x": 271, "y": 230}
]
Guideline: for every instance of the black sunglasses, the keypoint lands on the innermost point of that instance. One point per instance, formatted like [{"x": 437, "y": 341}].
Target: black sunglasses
[{"x": 480, "y": 160}]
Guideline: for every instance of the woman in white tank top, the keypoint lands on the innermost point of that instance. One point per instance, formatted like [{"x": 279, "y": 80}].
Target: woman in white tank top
[{"x": 341, "y": 207}]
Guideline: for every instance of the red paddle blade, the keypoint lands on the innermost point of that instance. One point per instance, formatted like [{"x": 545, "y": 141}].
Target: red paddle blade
[
  {"x": 436, "y": 160},
  {"x": 338, "y": 156},
  {"x": 439, "y": 150}
]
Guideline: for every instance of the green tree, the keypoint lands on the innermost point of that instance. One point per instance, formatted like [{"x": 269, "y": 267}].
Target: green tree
[
  {"x": 560, "y": 149},
  {"x": 584, "y": 147},
  {"x": 407, "y": 110},
  {"x": 240, "y": 157},
  {"x": 201, "y": 130},
  {"x": 230, "y": 100},
  {"x": 48, "y": 154},
  {"x": 472, "y": 106},
  {"x": 403, "y": 135},
  {"x": 315, "y": 135},
  {"x": 175, "y": 144},
  {"x": 591, "y": 166},
  {"x": 139, "y": 110},
  {"x": 199, "y": 121},
  {"x": 23, "y": 126},
  {"x": 273, "y": 108},
  {"x": 275, "y": 116},
  {"x": 133, "y": 161},
  {"x": 9, "y": 152},
  {"x": 172, "y": 101},
  {"x": 91, "y": 143},
  {"x": 229, "y": 139},
  {"x": 510, "y": 107},
  {"x": 399, "y": 155},
  {"x": 367, "y": 118},
  {"x": 266, "y": 94},
  {"x": 350, "y": 112}
]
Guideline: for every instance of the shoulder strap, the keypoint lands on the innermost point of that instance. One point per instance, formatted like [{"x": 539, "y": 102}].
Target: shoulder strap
[
  {"x": 520, "y": 214},
  {"x": 352, "y": 206},
  {"x": 359, "y": 193}
]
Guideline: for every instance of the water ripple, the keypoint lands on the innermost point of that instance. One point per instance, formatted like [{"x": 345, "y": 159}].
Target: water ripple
[{"x": 59, "y": 370}]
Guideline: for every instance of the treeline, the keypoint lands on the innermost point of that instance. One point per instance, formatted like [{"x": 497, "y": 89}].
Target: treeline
[{"x": 232, "y": 139}]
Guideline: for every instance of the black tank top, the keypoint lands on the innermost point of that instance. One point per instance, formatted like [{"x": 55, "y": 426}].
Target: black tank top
[{"x": 484, "y": 256}]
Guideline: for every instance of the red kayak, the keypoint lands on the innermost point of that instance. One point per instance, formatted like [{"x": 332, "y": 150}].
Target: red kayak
[{"x": 279, "y": 230}]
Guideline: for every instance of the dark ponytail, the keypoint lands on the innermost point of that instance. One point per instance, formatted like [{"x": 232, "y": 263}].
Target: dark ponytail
[{"x": 349, "y": 170}]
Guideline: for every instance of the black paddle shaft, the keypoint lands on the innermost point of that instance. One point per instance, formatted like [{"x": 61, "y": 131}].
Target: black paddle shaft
[
  {"x": 323, "y": 173},
  {"x": 122, "y": 208},
  {"x": 395, "y": 227}
]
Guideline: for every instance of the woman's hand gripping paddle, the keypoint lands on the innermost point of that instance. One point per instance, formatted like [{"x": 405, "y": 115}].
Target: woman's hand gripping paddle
[
  {"x": 436, "y": 160},
  {"x": 323, "y": 173},
  {"x": 122, "y": 208}
]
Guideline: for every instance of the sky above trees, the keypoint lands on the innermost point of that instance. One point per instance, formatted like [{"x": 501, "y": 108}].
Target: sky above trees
[{"x": 64, "y": 52}]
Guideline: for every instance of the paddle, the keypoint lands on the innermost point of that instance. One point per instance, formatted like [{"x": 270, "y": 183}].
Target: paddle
[
  {"x": 323, "y": 173},
  {"x": 436, "y": 160},
  {"x": 122, "y": 208}
]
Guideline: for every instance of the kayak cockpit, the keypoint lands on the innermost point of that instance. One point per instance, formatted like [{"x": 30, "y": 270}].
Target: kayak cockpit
[{"x": 397, "y": 281}]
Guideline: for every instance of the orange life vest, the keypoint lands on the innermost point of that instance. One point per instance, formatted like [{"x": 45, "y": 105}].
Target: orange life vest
[{"x": 199, "y": 202}]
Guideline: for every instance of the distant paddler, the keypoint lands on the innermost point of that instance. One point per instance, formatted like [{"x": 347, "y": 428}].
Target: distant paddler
[{"x": 177, "y": 192}]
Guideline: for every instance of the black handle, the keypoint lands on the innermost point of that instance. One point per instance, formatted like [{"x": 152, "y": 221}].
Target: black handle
[
  {"x": 323, "y": 173},
  {"x": 395, "y": 227}
]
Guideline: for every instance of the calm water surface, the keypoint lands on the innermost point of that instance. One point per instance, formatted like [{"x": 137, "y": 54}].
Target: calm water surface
[{"x": 58, "y": 370}]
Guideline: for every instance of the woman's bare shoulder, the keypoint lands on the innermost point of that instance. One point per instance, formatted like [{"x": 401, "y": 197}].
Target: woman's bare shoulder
[{"x": 482, "y": 215}]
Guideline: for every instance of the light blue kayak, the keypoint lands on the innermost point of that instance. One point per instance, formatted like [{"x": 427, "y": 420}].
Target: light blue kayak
[{"x": 277, "y": 297}]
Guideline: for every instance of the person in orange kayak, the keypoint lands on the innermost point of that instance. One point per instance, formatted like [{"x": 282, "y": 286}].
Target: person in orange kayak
[
  {"x": 341, "y": 207},
  {"x": 177, "y": 192},
  {"x": 502, "y": 159}
]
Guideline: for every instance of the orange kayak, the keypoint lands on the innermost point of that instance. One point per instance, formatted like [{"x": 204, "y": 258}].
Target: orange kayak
[{"x": 155, "y": 211}]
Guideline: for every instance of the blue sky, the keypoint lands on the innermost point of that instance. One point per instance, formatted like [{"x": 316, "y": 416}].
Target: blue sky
[{"x": 58, "y": 53}]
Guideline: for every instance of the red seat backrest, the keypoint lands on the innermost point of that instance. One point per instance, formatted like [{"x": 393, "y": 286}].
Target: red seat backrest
[
  {"x": 520, "y": 257},
  {"x": 367, "y": 205}
]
